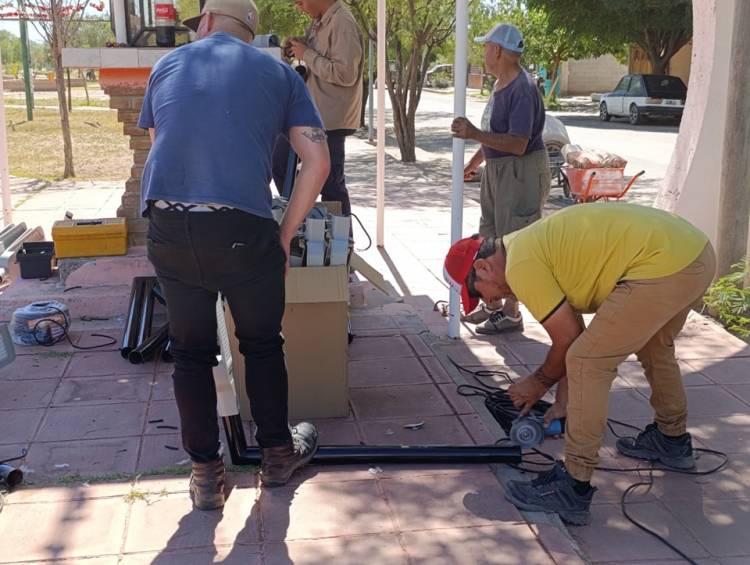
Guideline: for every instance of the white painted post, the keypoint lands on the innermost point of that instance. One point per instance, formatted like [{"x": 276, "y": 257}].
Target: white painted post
[
  {"x": 459, "y": 110},
  {"x": 4, "y": 173},
  {"x": 121, "y": 33},
  {"x": 381, "y": 125},
  {"x": 370, "y": 101}
]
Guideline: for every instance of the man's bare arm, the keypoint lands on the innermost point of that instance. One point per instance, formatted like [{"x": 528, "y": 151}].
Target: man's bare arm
[
  {"x": 312, "y": 148},
  {"x": 152, "y": 134},
  {"x": 563, "y": 327},
  {"x": 503, "y": 142}
]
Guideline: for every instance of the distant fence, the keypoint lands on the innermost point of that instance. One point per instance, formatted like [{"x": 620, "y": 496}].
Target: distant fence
[{"x": 40, "y": 85}]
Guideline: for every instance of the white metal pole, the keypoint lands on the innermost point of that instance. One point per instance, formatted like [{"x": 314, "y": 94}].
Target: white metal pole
[
  {"x": 380, "y": 231},
  {"x": 121, "y": 34},
  {"x": 459, "y": 110},
  {"x": 4, "y": 173},
  {"x": 370, "y": 82}
]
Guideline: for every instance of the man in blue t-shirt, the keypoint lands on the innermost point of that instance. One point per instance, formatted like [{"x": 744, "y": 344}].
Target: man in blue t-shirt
[
  {"x": 213, "y": 109},
  {"x": 516, "y": 178}
]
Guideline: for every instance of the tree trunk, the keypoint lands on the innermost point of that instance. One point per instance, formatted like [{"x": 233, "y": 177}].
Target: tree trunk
[
  {"x": 659, "y": 66},
  {"x": 69, "y": 170},
  {"x": 85, "y": 86},
  {"x": 734, "y": 199},
  {"x": 70, "y": 91},
  {"x": 365, "y": 96}
]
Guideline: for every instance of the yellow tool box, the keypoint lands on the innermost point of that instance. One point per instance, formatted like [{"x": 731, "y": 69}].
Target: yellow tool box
[{"x": 90, "y": 238}]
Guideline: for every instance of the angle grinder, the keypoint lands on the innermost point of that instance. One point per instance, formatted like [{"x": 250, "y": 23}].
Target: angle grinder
[{"x": 529, "y": 431}]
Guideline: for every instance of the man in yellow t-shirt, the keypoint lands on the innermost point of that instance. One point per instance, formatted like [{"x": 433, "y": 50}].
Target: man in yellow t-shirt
[{"x": 640, "y": 270}]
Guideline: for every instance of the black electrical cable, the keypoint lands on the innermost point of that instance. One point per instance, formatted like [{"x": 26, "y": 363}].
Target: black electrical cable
[
  {"x": 65, "y": 327},
  {"x": 24, "y": 452},
  {"x": 367, "y": 234},
  {"x": 501, "y": 408}
]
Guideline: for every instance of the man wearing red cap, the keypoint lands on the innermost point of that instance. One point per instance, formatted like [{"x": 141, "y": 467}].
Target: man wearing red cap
[{"x": 640, "y": 270}]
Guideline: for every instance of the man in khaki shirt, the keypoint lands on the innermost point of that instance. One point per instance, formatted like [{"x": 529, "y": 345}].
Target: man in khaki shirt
[{"x": 333, "y": 53}]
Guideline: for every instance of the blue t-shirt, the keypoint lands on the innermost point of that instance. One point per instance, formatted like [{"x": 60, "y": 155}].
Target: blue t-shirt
[
  {"x": 518, "y": 110},
  {"x": 218, "y": 106}
]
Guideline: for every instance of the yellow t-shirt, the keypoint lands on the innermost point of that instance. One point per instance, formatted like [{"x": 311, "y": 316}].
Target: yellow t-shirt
[{"x": 579, "y": 254}]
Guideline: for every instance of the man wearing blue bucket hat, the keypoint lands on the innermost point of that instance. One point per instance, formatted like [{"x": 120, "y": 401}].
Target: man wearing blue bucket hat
[{"x": 516, "y": 179}]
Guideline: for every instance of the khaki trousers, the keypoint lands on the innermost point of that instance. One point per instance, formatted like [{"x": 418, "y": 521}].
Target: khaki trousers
[
  {"x": 513, "y": 193},
  {"x": 641, "y": 317}
]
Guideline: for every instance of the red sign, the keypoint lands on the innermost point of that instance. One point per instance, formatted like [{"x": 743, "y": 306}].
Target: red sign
[{"x": 165, "y": 14}]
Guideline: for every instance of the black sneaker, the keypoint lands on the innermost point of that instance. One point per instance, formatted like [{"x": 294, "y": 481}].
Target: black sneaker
[
  {"x": 552, "y": 492},
  {"x": 652, "y": 445}
]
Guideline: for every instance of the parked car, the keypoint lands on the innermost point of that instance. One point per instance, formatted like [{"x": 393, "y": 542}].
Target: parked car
[
  {"x": 439, "y": 75},
  {"x": 641, "y": 97}
]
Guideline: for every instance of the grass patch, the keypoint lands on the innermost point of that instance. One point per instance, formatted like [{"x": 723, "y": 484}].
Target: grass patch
[{"x": 35, "y": 149}]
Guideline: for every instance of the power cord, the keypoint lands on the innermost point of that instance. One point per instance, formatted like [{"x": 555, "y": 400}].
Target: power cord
[
  {"x": 502, "y": 409},
  {"x": 367, "y": 234},
  {"x": 48, "y": 341}
]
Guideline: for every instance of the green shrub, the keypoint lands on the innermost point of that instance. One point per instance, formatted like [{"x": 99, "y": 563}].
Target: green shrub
[{"x": 729, "y": 299}]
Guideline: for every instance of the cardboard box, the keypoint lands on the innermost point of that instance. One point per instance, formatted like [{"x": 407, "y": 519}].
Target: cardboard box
[{"x": 316, "y": 333}]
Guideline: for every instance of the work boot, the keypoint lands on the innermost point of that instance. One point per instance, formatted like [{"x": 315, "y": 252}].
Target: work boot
[
  {"x": 207, "y": 485},
  {"x": 652, "y": 445},
  {"x": 481, "y": 314},
  {"x": 552, "y": 492},
  {"x": 278, "y": 464},
  {"x": 499, "y": 322}
]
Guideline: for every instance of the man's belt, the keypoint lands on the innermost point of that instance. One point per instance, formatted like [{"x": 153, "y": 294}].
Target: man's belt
[{"x": 169, "y": 206}]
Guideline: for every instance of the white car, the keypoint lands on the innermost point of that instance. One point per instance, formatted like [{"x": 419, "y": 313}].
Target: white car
[{"x": 640, "y": 97}]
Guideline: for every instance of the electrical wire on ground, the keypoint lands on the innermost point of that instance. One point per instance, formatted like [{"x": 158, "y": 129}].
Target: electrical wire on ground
[
  {"x": 502, "y": 409},
  {"x": 49, "y": 341}
]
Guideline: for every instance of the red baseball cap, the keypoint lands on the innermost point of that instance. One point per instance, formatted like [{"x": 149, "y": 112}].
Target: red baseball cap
[{"x": 458, "y": 265}]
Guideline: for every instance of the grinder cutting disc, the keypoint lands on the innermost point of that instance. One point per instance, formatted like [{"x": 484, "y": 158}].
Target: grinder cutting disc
[{"x": 527, "y": 432}]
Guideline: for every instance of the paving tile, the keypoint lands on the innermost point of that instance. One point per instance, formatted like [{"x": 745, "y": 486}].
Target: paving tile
[
  {"x": 740, "y": 391},
  {"x": 337, "y": 432},
  {"x": 379, "y": 348},
  {"x": 381, "y": 372},
  {"x": 472, "y": 353},
  {"x": 611, "y": 537},
  {"x": 628, "y": 404},
  {"x": 529, "y": 353},
  {"x": 713, "y": 401},
  {"x": 478, "y": 430},
  {"x": 557, "y": 543},
  {"x": 92, "y": 422},
  {"x": 720, "y": 527},
  {"x": 156, "y": 453},
  {"x": 76, "y": 491},
  {"x": 370, "y": 322},
  {"x": 162, "y": 413},
  {"x": 500, "y": 544},
  {"x": 711, "y": 345},
  {"x": 730, "y": 434},
  {"x": 49, "y": 365},
  {"x": 436, "y": 370},
  {"x": 107, "y": 364},
  {"x": 420, "y": 347},
  {"x": 163, "y": 387},
  {"x": 307, "y": 512},
  {"x": 110, "y": 560},
  {"x": 350, "y": 550},
  {"x": 27, "y": 394},
  {"x": 633, "y": 373},
  {"x": 440, "y": 430},
  {"x": 458, "y": 402},
  {"x": 86, "y": 339},
  {"x": 19, "y": 426},
  {"x": 12, "y": 450},
  {"x": 229, "y": 555},
  {"x": 412, "y": 401},
  {"x": 171, "y": 522},
  {"x": 723, "y": 370},
  {"x": 84, "y": 457},
  {"x": 60, "y": 530},
  {"x": 83, "y": 391},
  {"x": 730, "y": 483},
  {"x": 448, "y": 501}
]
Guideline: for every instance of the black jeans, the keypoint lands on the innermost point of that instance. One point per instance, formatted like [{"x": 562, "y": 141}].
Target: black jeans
[
  {"x": 197, "y": 255},
  {"x": 334, "y": 189}
]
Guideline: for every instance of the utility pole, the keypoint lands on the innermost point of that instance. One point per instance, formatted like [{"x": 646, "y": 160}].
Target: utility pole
[
  {"x": 734, "y": 199},
  {"x": 27, "y": 86},
  {"x": 371, "y": 85}
]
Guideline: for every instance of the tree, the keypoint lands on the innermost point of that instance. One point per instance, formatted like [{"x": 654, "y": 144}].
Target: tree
[
  {"x": 280, "y": 18},
  {"x": 57, "y": 21},
  {"x": 416, "y": 30},
  {"x": 10, "y": 45},
  {"x": 92, "y": 33},
  {"x": 660, "y": 27}
]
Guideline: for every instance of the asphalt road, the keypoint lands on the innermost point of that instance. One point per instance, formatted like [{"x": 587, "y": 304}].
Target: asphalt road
[{"x": 648, "y": 147}]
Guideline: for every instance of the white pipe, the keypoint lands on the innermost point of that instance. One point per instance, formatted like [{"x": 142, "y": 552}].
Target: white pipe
[
  {"x": 371, "y": 84},
  {"x": 4, "y": 173},
  {"x": 121, "y": 33},
  {"x": 459, "y": 110},
  {"x": 380, "y": 231}
]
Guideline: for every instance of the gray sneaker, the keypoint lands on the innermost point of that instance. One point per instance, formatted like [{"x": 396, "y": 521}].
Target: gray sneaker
[
  {"x": 652, "y": 445},
  {"x": 481, "y": 314},
  {"x": 499, "y": 322}
]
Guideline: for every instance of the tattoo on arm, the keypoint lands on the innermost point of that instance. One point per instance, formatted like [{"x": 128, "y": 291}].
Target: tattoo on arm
[{"x": 316, "y": 135}]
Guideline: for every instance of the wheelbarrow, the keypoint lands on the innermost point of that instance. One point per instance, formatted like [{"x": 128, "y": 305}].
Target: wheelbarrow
[{"x": 590, "y": 185}]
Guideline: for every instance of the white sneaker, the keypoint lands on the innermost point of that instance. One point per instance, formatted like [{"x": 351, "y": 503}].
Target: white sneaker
[{"x": 499, "y": 322}]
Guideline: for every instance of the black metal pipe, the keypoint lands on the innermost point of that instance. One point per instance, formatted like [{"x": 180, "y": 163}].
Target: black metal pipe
[
  {"x": 130, "y": 333},
  {"x": 148, "y": 349},
  {"x": 146, "y": 317},
  {"x": 10, "y": 476},
  {"x": 159, "y": 294},
  {"x": 347, "y": 454}
]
